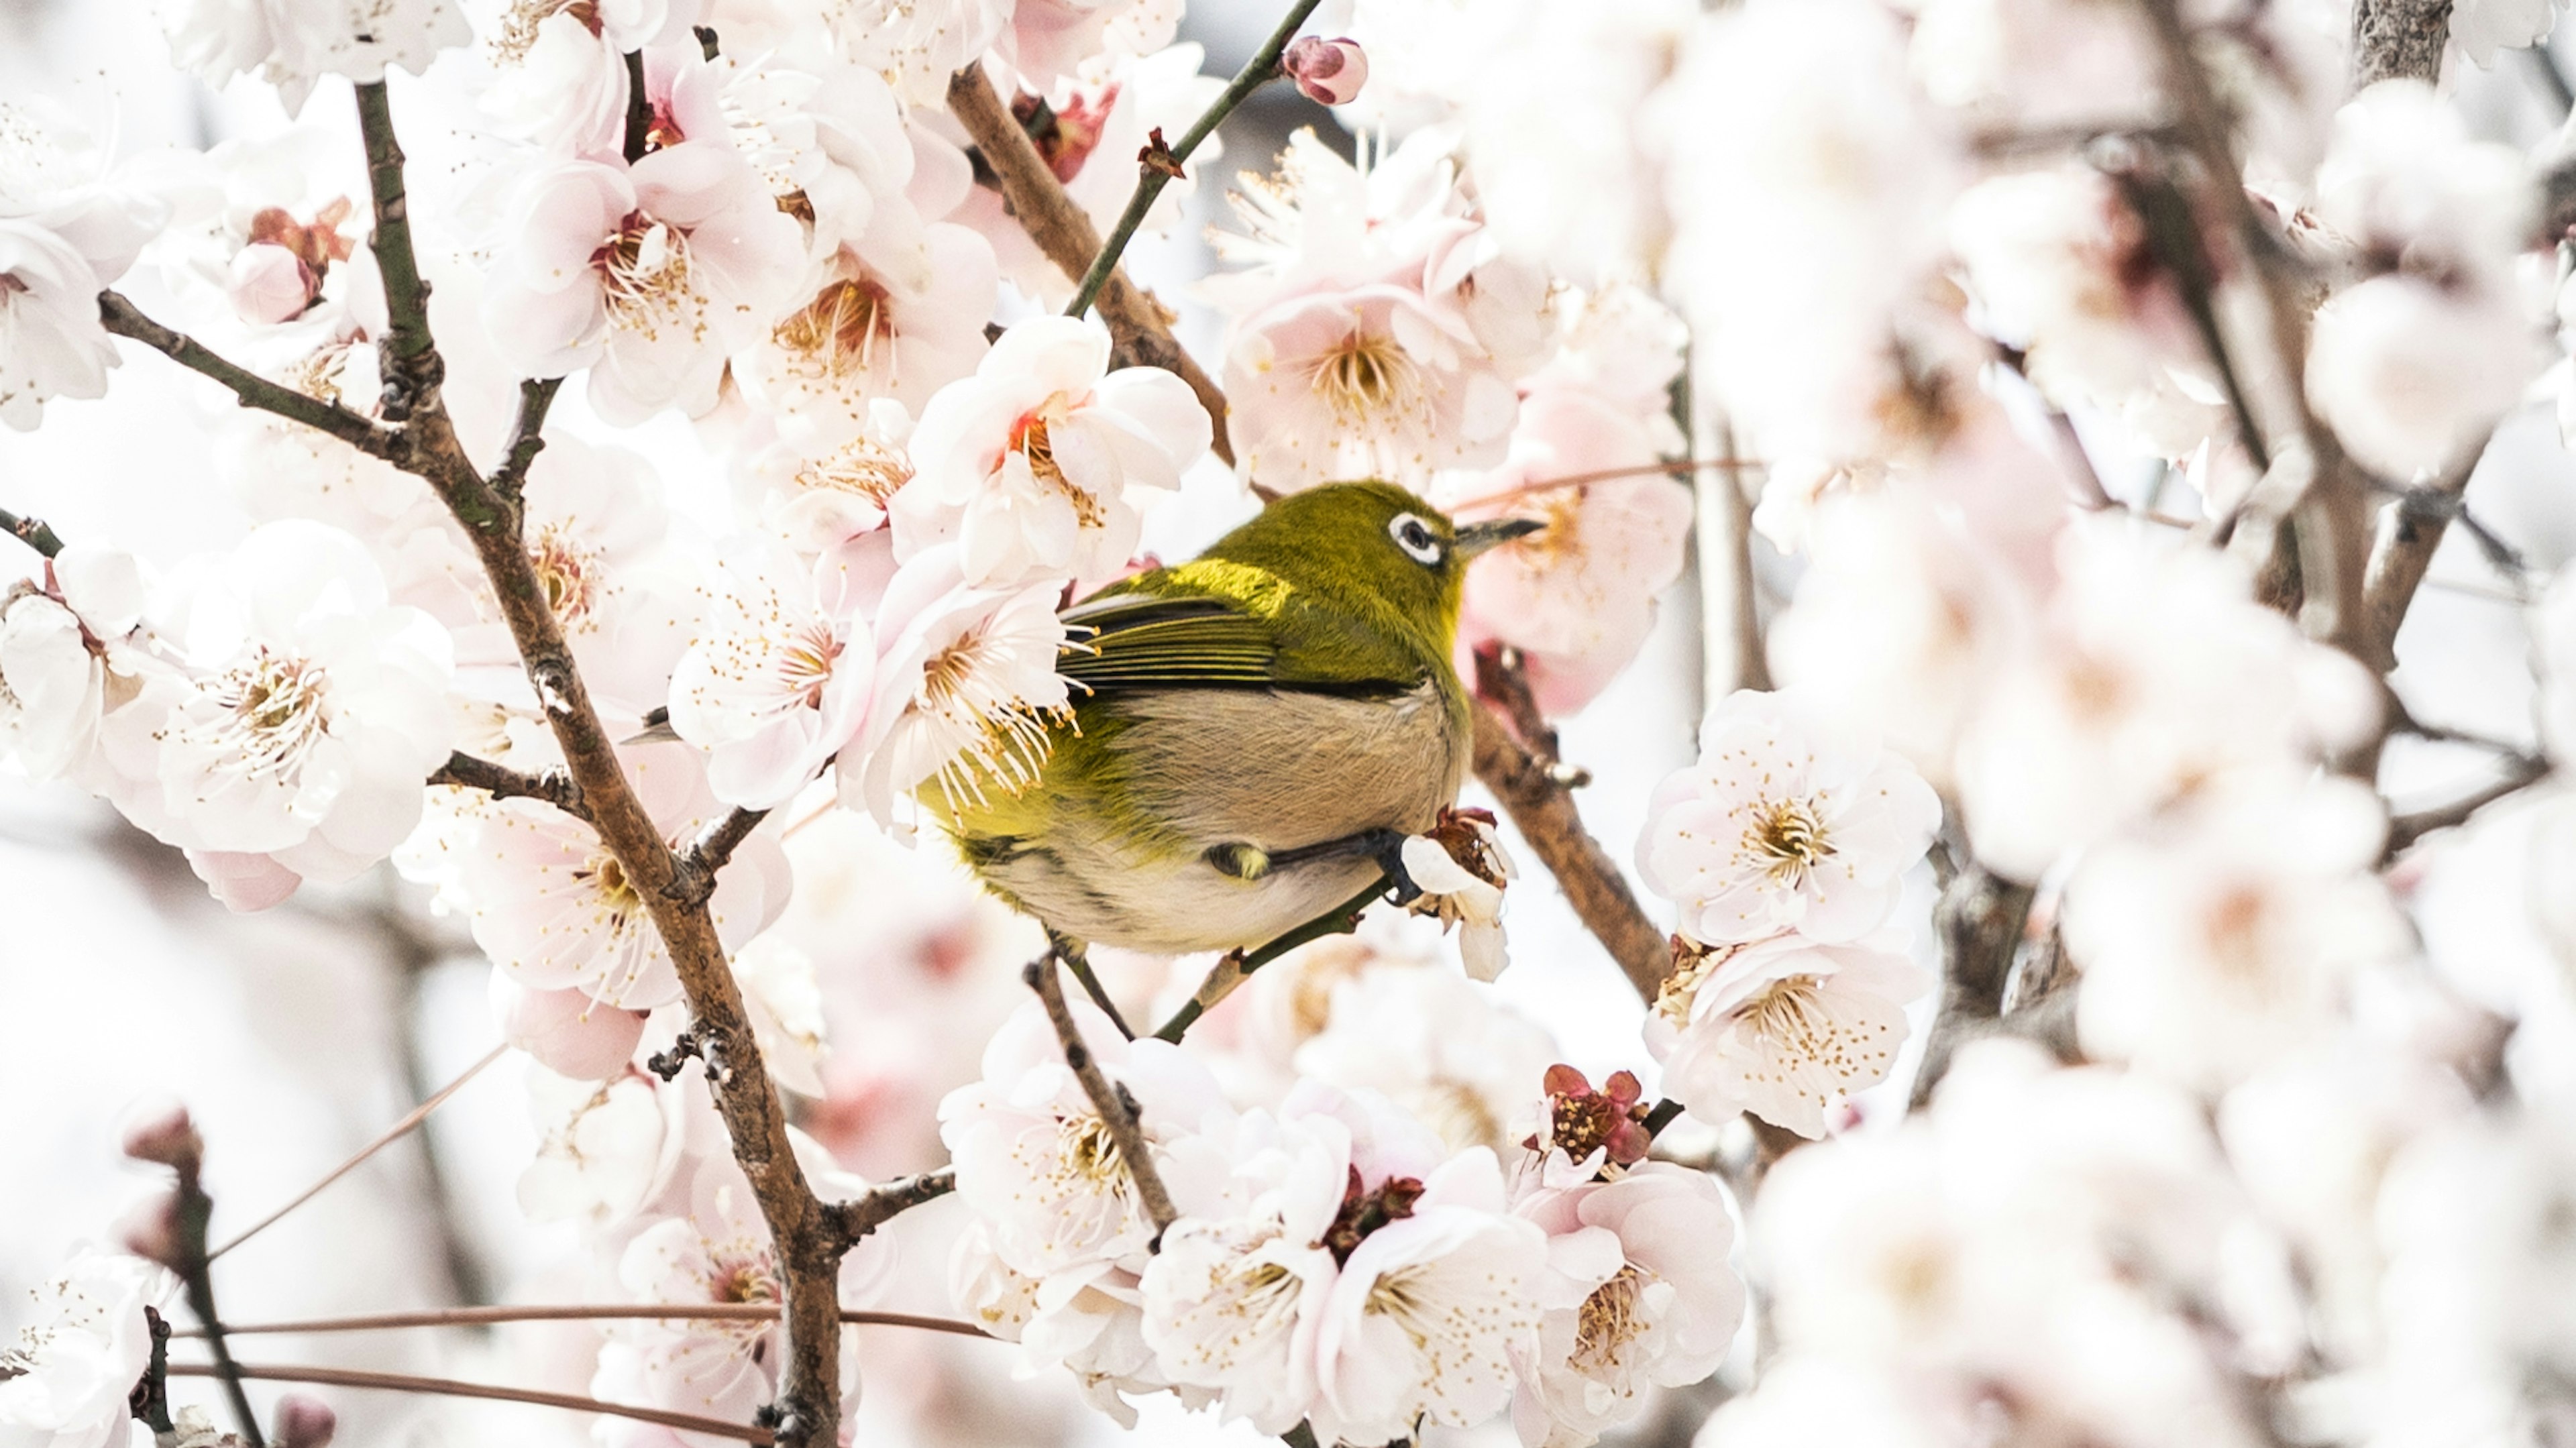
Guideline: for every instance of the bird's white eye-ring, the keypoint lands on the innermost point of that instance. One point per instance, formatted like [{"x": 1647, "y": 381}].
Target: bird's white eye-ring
[{"x": 1416, "y": 538}]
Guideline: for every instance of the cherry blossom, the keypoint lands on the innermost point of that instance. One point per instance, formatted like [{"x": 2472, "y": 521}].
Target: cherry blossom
[
  {"x": 605, "y": 1148},
  {"x": 648, "y": 274},
  {"x": 1639, "y": 1294},
  {"x": 314, "y": 711},
  {"x": 291, "y": 45},
  {"x": 779, "y": 681},
  {"x": 555, "y": 911},
  {"x": 1783, "y": 825},
  {"x": 1462, "y": 871},
  {"x": 1435, "y": 1045},
  {"x": 1781, "y": 1027},
  {"x": 59, "y": 649},
  {"x": 1040, "y": 462},
  {"x": 64, "y": 1383}
]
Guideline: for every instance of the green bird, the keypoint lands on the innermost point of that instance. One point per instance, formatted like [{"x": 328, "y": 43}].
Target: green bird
[{"x": 1253, "y": 732}]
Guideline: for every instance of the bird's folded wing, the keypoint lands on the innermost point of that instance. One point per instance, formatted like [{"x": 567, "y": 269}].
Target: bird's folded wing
[{"x": 1127, "y": 641}]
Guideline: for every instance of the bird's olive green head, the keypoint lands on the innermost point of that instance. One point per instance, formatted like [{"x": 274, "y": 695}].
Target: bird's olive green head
[{"x": 1371, "y": 543}]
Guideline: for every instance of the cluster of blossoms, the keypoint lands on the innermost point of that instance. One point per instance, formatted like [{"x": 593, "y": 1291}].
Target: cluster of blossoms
[
  {"x": 1965, "y": 293},
  {"x": 1334, "y": 1261}
]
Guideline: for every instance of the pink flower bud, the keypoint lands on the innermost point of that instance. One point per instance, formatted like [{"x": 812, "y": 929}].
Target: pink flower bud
[
  {"x": 569, "y": 1033},
  {"x": 1330, "y": 72},
  {"x": 161, "y": 1132},
  {"x": 303, "y": 1422},
  {"x": 270, "y": 284},
  {"x": 244, "y": 883},
  {"x": 150, "y": 1229}
]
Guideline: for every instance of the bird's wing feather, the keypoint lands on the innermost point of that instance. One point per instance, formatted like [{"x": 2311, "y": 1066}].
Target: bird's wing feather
[{"x": 1130, "y": 642}]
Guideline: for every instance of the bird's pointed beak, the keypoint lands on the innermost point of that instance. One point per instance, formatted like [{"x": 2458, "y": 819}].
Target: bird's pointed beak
[{"x": 1475, "y": 538}]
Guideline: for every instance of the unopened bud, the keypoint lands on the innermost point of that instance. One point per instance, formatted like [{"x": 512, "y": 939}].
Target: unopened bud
[
  {"x": 304, "y": 1422},
  {"x": 150, "y": 1229},
  {"x": 1330, "y": 72},
  {"x": 270, "y": 284},
  {"x": 569, "y": 1033},
  {"x": 162, "y": 1132}
]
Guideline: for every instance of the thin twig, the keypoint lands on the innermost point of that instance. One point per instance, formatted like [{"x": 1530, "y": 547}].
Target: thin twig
[
  {"x": 33, "y": 532},
  {"x": 583, "y": 1312},
  {"x": 527, "y": 435},
  {"x": 2521, "y": 771},
  {"x": 356, "y": 429},
  {"x": 191, "y": 1211},
  {"x": 1116, "y": 1110},
  {"x": 1077, "y": 958},
  {"x": 1155, "y": 170},
  {"x": 150, "y": 1401},
  {"x": 713, "y": 849},
  {"x": 639, "y": 109},
  {"x": 1063, "y": 230},
  {"x": 1231, "y": 969},
  {"x": 2402, "y": 553},
  {"x": 500, "y": 781},
  {"x": 392, "y": 1134},
  {"x": 453, "y": 1388},
  {"x": 1543, "y": 809},
  {"x": 852, "y": 1220}
]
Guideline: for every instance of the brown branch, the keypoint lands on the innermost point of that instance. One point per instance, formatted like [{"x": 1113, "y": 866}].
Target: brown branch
[
  {"x": 1063, "y": 231},
  {"x": 2521, "y": 771},
  {"x": 2333, "y": 515},
  {"x": 527, "y": 436},
  {"x": 390, "y": 1135},
  {"x": 34, "y": 532},
  {"x": 1235, "y": 966},
  {"x": 712, "y": 850},
  {"x": 1542, "y": 808},
  {"x": 1980, "y": 918},
  {"x": 2401, "y": 554},
  {"x": 356, "y": 429},
  {"x": 808, "y": 1246},
  {"x": 1117, "y": 1109},
  {"x": 2392, "y": 38},
  {"x": 854, "y": 1219},
  {"x": 583, "y": 1312},
  {"x": 190, "y": 1212},
  {"x": 453, "y": 1388},
  {"x": 500, "y": 781}
]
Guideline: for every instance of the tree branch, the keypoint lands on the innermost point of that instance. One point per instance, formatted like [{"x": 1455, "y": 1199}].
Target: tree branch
[
  {"x": 713, "y": 849},
  {"x": 500, "y": 781},
  {"x": 584, "y": 1312},
  {"x": 2333, "y": 514},
  {"x": 34, "y": 532},
  {"x": 192, "y": 1210},
  {"x": 2401, "y": 554},
  {"x": 1542, "y": 808},
  {"x": 1235, "y": 966},
  {"x": 2521, "y": 771},
  {"x": 884, "y": 1202},
  {"x": 356, "y": 429},
  {"x": 452, "y": 1388},
  {"x": 808, "y": 1247},
  {"x": 1154, "y": 172},
  {"x": 1064, "y": 232},
  {"x": 1117, "y": 1110},
  {"x": 1980, "y": 918},
  {"x": 527, "y": 436},
  {"x": 2393, "y": 38}
]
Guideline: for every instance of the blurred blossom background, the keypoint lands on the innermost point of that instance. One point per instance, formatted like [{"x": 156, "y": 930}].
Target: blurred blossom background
[{"x": 2420, "y": 1215}]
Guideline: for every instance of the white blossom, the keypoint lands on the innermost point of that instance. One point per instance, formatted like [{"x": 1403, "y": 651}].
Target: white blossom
[
  {"x": 64, "y": 1383},
  {"x": 1781, "y": 1027},
  {"x": 292, "y": 43}
]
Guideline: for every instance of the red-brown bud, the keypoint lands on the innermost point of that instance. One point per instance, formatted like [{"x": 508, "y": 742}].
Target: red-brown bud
[
  {"x": 304, "y": 1422},
  {"x": 163, "y": 1133},
  {"x": 1330, "y": 72}
]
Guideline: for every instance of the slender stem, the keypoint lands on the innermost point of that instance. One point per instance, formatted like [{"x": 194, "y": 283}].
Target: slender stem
[
  {"x": 151, "y": 1398},
  {"x": 34, "y": 532},
  {"x": 1113, "y": 1104},
  {"x": 359, "y": 431},
  {"x": 1152, "y": 175},
  {"x": 2520, "y": 773},
  {"x": 527, "y": 435},
  {"x": 392, "y": 1134},
  {"x": 1078, "y": 960},
  {"x": 583, "y": 1312},
  {"x": 639, "y": 108},
  {"x": 453, "y": 1388},
  {"x": 193, "y": 1209},
  {"x": 406, "y": 295},
  {"x": 1230, "y": 971},
  {"x": 853, "y": 1220},
  {"x": 502, "y": 782}
]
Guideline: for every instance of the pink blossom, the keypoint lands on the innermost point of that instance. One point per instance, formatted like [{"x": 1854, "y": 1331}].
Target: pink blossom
[
  {"x": 565, "y": 1030},
  {"x": 1328, "y": 72}
]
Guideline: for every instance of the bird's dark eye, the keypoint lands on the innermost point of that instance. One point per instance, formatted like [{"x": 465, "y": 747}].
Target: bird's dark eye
[{"x": 1416, "y": 538}]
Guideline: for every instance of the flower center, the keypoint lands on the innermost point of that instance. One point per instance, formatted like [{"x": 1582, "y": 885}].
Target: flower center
[
  {"x": 804, "y": 664},
  {"x": 1366, "y": 375},
  {"x": 618, "y": 897},
  {"x": 1091, "y": 1154},
  {"x": 518, "y": 33},
  {"x": 862, "y": 467},
  {"x": 1693, "y": 964},
  {"x": 646, "y": 272},
  {"x": 317, "y": 374},
  {"x": 1031, "y": 439},
  {"x": 1791, "y": 837},
  {"x": 1607, "y": 1323},
  {"x": 568, "y": 572},
  {"x": 842, "y": 327},
  {"x": 274, "y": 710},
  {"x": 1003, "y": 737}
]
